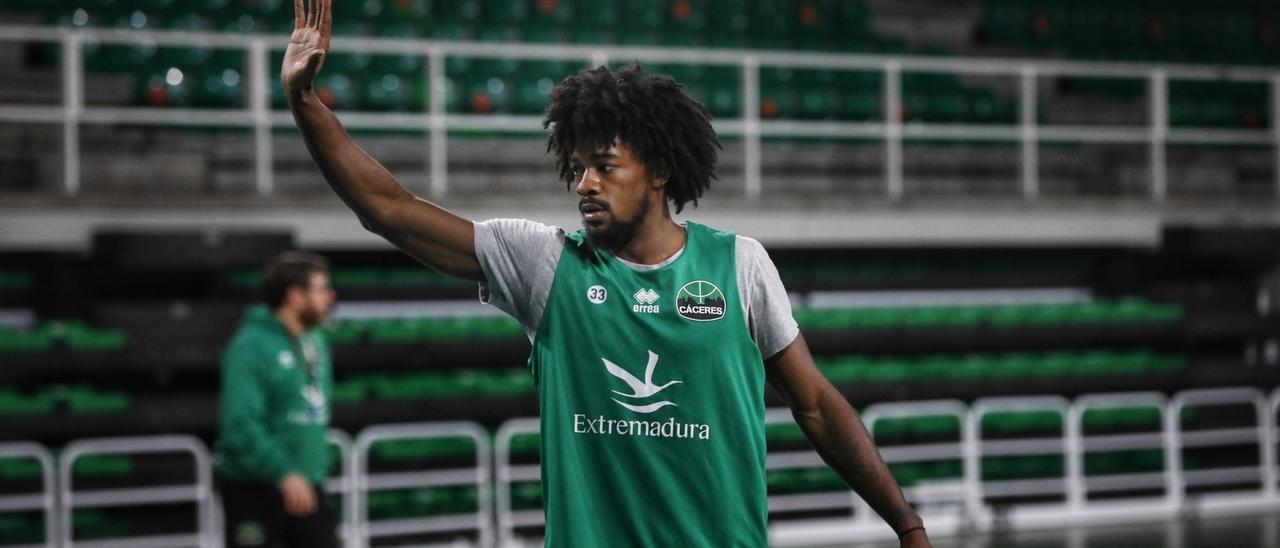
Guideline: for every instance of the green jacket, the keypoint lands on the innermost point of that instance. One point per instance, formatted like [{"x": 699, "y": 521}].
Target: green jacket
[{"x": 273, "y": 420}]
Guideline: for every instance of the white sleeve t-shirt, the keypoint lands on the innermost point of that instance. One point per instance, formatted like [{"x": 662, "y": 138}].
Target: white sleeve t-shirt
[{"x": 519, "y": 260}]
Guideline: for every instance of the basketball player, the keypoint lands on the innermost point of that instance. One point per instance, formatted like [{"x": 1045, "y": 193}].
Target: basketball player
[{"x": 652, "y": 340}]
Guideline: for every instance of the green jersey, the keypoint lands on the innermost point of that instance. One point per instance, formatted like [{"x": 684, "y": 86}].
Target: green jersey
[
  {"x": 274, "y": 407},
  {"x": 651, "y": 394}
]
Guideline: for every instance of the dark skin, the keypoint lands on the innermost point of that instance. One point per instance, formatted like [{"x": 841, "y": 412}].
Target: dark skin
[{"x": 615, "y": 190}]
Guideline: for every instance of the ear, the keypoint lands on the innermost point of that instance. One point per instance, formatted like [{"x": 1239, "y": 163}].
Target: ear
[
  {"x": 659, "y": 180},
  {"x": 294, "y": 295}
]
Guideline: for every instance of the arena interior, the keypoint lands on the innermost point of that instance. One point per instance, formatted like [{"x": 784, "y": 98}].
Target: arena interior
[{"x": 1035, "y": 243}]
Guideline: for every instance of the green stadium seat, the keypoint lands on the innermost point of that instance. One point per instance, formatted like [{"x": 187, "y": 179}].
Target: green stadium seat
[
  {"x": 784, "y": 433},
  {"x": 39, "y": 403},
  {"x": 525, "y": 444},
  {"x": 101, "y": 466},
  {"x": 345, "y": 331},
  {"x": 21, "y": 529},
  {"x": 729, "y": 28},
  {"x": 1120, "y": 419},
  {"x": 1022, "y": 423},
  {"x": 897, "y": 431},
  {"x": 15, "y": 469},
  {"x": 15, "y": 341},
  {"x": 771, "y": 26},
  {"x": 526, "y": 495},
  {"x": 417, "y": 13},
  {"x": 88, "y": 400},
  {"x": 81, "y": 338},
  {"x": 781, "y": 482},
  {"x": 1020, "y": 467},
  {"x": 394, "y": 330},
  {"x": 354, "y": 390},
  {"x": 386, "y": 92},
  {"x": 423, "y": 449}
]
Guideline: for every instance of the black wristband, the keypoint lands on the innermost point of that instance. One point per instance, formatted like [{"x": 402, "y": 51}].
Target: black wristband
[{"x": 904, "y": 533}]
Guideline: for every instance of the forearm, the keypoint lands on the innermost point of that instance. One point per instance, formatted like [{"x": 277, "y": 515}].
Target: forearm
[
  {"x": 844, "y": 444},
  {"x": 361, "y": 181}
]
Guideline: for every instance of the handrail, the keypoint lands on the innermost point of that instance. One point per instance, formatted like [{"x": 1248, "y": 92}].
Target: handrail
[
  {"x": 1027, "y": 132},
  {"x": 199, "y": 493},
  {"x": 46, "y": 500},
  {"x": 478, "y": 476}
]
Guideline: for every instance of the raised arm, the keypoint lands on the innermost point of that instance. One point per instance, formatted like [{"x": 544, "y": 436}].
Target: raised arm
[
  {"x": 427, "y": 232},
  {"x": 834, "y": 429}
]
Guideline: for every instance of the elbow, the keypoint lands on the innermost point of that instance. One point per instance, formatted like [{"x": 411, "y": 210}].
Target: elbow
[
  {"x": 374, "y": 224},
  {"x": 381, "y": 216},
  {"x": 378, "y": 220}
]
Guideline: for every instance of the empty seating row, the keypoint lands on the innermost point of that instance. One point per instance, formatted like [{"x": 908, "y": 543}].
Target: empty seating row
[
  {"x": 1239, "y": 33},
  {"x": 77, "y": 399},
  {"x": 76, "y": 335},
  {"x": 770, "y": 24},
  {"x": 1104, "y": 311}
]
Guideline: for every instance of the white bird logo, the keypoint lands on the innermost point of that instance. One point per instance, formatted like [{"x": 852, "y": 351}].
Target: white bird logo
[{"x": 639, "y": 389}]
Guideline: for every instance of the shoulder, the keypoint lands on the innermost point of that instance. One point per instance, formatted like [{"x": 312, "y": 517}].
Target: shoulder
[
  {"x": 750, "y": 253},
  {"x": 507, "y": 227},
  {"x": 250, "y": 345},
  {"x": 749, "y": 246}
]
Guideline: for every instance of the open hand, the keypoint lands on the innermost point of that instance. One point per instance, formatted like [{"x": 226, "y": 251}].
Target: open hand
[{"x": 307, "y": 47}]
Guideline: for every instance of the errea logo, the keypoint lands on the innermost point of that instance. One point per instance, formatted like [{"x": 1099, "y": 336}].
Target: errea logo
[{"x": 645, "y": 302}]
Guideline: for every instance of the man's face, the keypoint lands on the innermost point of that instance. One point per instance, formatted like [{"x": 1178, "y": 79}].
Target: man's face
[
  {"x": 615, "y": 193},
  {"x": 317, "y": 301}
]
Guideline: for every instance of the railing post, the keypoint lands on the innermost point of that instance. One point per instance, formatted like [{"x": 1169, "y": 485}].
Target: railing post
[
  {"x": 1275, "y": 127},
  {"x": 893, "y": 130},
  {"x": 72, "y": 107},
  {"x": 751, "y": 126},
  {"x": 438, "y": 140},
  {"x": 1159, "y": 84},
  {"x": 1030, "y": 135},
  {"x": 260, "y": 110}
]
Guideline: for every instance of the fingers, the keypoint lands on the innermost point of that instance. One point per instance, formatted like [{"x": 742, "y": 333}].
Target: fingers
[
  {"x": 290, "y": 502},
  {"x": 308, "y": 501},
  {"x": 311, "y": 14},
  {"x": 299, "y": 14},
  {"x": 326, "y": 16}
]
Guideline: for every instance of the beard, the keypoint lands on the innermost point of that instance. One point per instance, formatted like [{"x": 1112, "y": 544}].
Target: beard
[
  {"x": 617, "y": 233},
  {"x": 313, "y": 316}
]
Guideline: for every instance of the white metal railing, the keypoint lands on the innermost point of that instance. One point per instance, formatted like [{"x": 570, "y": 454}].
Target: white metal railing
[
  {"x": 1082, "y": 444},
  {"x": 1262, "y": 475},
  {"x": 343, "y": 485},
  {"x": 508, "y": 473},
  {"x": 199, "y": 492},
  {"x": 1028, "y": 133},
  {"x": 975, "y": 511},
  {"x": 44, "y": 501},
  {"x": 476, "y": 476}
]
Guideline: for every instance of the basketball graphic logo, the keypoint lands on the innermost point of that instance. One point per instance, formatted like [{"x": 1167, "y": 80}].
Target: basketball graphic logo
[{"x": 700, "y": 301}]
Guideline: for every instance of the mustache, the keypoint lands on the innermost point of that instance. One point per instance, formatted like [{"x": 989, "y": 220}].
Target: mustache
[{"x": 591, "y": 200}]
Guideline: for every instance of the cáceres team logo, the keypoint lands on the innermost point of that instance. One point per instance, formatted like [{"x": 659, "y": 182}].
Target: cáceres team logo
[{"x": 700, "y": 301}]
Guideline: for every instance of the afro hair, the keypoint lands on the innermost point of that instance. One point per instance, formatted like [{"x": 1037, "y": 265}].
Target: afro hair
[{"x": 665, "y": 128}]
